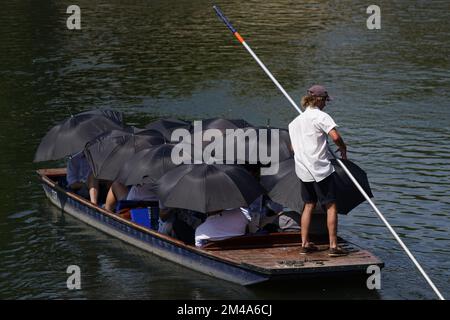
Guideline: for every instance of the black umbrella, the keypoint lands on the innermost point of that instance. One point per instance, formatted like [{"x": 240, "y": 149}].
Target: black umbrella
[
  {"x": 220, "y": 124},
  {"x": 285, "y": 148},
  {"x": 107, "y": 153},
  {"x": 285, "y": 186},
  {"x": 348, "y": 196},
  {"x": 167, "y": 126},
  {"x": 262, "y": 137},
  {"x": 187, "y": 144},
  {"x": 208, "y": 188},
  {"x": 71, "y": 135},
  {"x": 148, "y": 165},
  {"x": 243, "y": 145}
]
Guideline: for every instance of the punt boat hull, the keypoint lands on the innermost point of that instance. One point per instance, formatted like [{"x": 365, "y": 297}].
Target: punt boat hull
[{"x": 237, "y": 261}]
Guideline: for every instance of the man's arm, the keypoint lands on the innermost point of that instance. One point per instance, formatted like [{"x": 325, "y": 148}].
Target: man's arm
[{"x": 336, "y": 137}]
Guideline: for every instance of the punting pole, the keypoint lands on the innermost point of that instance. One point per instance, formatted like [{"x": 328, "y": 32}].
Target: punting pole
[{"x": 380, "y": 215}]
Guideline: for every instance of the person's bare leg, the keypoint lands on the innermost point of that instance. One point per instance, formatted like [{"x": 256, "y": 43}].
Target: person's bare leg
[
  {"x": 110, "y": 202},
  {"x": 305, "y": 222},
  {"x": 117, "y": 192},
  {"x": 93, "y": 188},
  {"x": 332, "y": 221}
]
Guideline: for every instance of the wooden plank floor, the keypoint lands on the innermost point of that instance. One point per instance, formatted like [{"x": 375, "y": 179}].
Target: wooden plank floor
[{"x": 283, "y": 259}]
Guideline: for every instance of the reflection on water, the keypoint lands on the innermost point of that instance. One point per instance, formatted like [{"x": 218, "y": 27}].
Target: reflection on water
[{"x": 165, "y": 58}]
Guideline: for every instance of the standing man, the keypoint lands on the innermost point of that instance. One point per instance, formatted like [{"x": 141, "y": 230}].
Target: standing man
[{"x": 308, "y": 133}]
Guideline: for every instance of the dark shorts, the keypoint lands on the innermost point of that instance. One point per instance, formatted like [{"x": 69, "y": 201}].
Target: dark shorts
[
  {"x": 323, "y": 191},
  {"x": 83, "y": 191}
]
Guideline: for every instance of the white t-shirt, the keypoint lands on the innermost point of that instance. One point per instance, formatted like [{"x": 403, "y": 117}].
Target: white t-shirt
[
  {"x": 227, "y": 224},
  {"x": 308, "y": 133}
]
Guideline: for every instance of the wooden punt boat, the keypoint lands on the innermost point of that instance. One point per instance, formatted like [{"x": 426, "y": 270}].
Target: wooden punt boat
[{"x": 244, "y": 260}]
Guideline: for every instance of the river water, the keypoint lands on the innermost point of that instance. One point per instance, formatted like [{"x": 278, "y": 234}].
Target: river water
[{"x": 156, "y": 58}]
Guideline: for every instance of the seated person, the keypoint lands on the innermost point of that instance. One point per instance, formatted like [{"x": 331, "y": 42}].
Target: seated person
[
  {"x": 259, "y": 212},
  {"x": 279, "y": 219},
  {"x": 180, "y": 224},
  {"x": 80, "y": 178},
  {"x": 166, "y": 218},
  {"x": 118, "y": 191},
  {"x": 253, "y": 213},
  {"x": 288, "y": 221},
  {"x": 221, "y": 225}
]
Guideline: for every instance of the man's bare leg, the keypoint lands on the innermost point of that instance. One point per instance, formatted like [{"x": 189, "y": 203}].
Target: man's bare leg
[
  {"x": 110, "y": 202},
  {"x": 117, "y": 192},
  {"x": 93, "y": 188},
  {"x": 332, "y": 221},
  {"x": 305, "y": 222}
]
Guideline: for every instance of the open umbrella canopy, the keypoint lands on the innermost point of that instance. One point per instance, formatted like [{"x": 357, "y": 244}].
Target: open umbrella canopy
[
  {"x": 167, "y": 126},
  {"x": 284, "y": 147},
  {"x": 256, "y": 145},
  {"x": 148, "y": 165},
  {"x": 107, "y": 153},
  {"x": 208, "y": 188},
  {"x": 285, "y": 187},
  {"x": 348, "y": 196},
  {"x": 71, "y": 135}
]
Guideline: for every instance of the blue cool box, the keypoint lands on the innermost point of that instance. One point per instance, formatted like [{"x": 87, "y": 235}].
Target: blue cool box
[
  {"x": 147, "y": 217},
  {"x": 141, "y": 216}
]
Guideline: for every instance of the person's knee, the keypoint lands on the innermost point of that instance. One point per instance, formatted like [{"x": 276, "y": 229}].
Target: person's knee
[
  {"x": 119, "y": 190},
  {"x": 331, "y": 207},
  {"x": 115, "y": 185}
]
